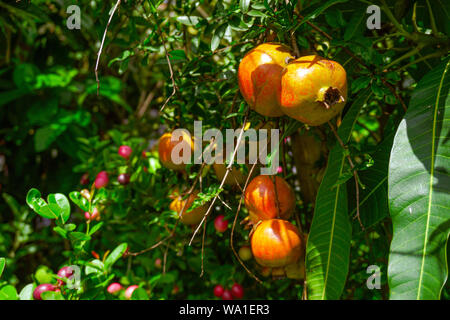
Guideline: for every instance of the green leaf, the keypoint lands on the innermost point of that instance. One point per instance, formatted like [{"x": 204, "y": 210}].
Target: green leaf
[
  {"x": 94, "y": 267},
  {"x": 2, "y": 266},
  {"x": 328, "y": 246},
  {"x": 115, "y": 255},
  {"x": 45, "y": 136},
  {"x": 189, "y": 20},
  {"x": 140, "y": 294},
  {"x": 62, "y": 202},
  {"x": 355, "y": 25},
  {"x": 244, "y": 5},
  {"x": 79, "y": 200},
  {"x": 318, "y": 10},
  {"x": 373, "y": 200},
  {"x": 27, "y": 292},
  {"x": 8, "y": 292},
  {"x": 39, "y": 205},
  {"x": 52, "y": 295},
  {"x": 78, "y": 236},
  {"x": 418, "y": 191},
  {"x": 95, "y": 228},
  {"x": 257, "y": 14},
  {"x": 217, "y": 36}
]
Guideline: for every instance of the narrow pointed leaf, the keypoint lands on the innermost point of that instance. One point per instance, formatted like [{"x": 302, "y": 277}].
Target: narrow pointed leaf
[{"x": 328, "y": 247}]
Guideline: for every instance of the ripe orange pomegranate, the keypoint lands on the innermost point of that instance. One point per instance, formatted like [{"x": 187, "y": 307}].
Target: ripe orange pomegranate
[
  {"x": 166, "y": 146},
  {"x": 313, "y": 89},
  {"x": 192, "y": 217},
  {"x": 276, "y": 243},
  {"x": 259, "y": 77},
  {"x": 260, "y": 199}
]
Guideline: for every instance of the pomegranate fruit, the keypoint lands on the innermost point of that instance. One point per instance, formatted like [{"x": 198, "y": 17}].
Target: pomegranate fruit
[
  {"x": 218, "y": 291},
  {"x": 313, "y": 89},
  {"x": 43, "y": 288},
  {"x": 125, "y": 152},
  {"x": 259, "y": 77},
  {"x": 221, "y": 224},
  {"x": 260, "y": 198},
  {"x": 192, "y": 217},
  {"x": 166, "y": 146},
  {"x": 276, "y": 243}
]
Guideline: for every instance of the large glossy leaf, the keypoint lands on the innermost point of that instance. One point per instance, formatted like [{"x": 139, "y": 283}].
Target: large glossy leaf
[
  {"x": 328, "y": 247},
  {"x": 419, "y": 185},
  {"x": 2, "y": 265}
]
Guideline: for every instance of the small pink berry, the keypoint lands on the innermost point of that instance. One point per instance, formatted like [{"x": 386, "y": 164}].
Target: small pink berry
[
  {"x": 84, "y": 179},
  {"x": 218, "y": 291},
  {"x": 220, "y": 223},
  {"x": 129, "y": 291},
  {"x": 64, "y": 273},
  {"x": 227, "y": 295},
  {"x": 237, "y": 291},
  {"x": 43, "y": 288},
  {"x": 101, "y": 180},
  {"x": 280, "y": 170},
  {"x": 114, "y": 287},
  {"x": 125, "y": 151},
  {"x": 87, "y": 215}
]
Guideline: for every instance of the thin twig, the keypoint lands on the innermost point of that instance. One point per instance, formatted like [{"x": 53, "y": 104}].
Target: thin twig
[
  {"x": 174, "y": 91},
  {"x": 355, "y": 174},
  {"x": 101, "y": 45},
  {"x": 229, "y": 168},
  {"x": 234, "y": 225}
]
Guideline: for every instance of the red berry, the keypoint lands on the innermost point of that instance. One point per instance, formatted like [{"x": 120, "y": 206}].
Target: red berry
[
  {"x": 227, "y": 295},
  {"x": 125, "y": 151},
  {"x": 129, "y": 291},
  {"x": 84, "y": 179},
  {"x": 114, "y": 287},
  {"x": 101, "y": 180},
  {"x": 64, "y": 273},
  {"x": 144, "y": 154},
  {"x": 43, "y": 288},
  {"x": 220, "y": 223},
  {"x": 123, "y": 178},
  {"x": 218, "y": 291},
  {"x": 158, "y": 263},
  {"x": 175, "y": 289},
  {"x": 237, "y": 291}
]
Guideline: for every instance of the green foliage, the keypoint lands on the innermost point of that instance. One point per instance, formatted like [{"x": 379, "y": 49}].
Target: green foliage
[
  {"x": 418, "y": 192},
  {"x": 165, "y": 64}
]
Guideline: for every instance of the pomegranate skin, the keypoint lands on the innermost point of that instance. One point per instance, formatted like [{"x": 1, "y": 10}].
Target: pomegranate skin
[
  {"x": 192, "y": 217},
  {"x": 276, "y": 243},
  {"x": 313, "y": 90},
  {"x": 260, "y": 198},
  {"x": 166, "y": 145},
  {"x": 259, "y": 77}
]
